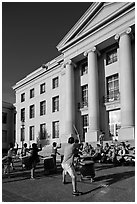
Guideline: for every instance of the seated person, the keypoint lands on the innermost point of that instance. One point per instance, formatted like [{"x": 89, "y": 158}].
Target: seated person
[
  {"x": 86, "y": 149},
  {"x": 121, "y": 153},
  {"x": 97, "y": 154},
  {"x": 111, "y": 156},
  {"x": 105, "y": 152}
]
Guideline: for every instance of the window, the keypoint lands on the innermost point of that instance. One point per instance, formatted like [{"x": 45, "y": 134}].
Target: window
[
  {"x": 22, "y": 97},
  {"x": 42, "y": 131},
  {"x": 32, "y": 93},
  {"x": 85, "y": 125},
  {"x": 56, "y": 129},
  {"x": 112, "y": 88},
  {"x": 4, "y": 118},
  {"x": 111, "y": 57},
  {"x": 55, "y": 82},
  {"x": 85, "y": 95},
  {"x": 84, "y": 68},
  {"x": 32, "y": 111},
  {"x": 23, "y": 114},
  {"x": 42, "y": 88},
  {"x": 4, "y": 136},
  {"x": 55, "y": 103},
  {"x": 42, "y": 107},
  {"x": 31, "y": 133}
]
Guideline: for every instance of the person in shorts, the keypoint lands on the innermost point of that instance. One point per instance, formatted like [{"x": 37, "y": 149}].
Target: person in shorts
[{"x": 68, "y": 164}]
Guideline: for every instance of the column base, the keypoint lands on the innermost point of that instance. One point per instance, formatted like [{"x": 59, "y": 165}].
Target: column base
[
  {"x": 92, "y": 136},
  {"x": 126, "y": 133}
]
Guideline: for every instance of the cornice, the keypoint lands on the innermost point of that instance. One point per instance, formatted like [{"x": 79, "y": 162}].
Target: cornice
[{"x": 45, "y": 68}]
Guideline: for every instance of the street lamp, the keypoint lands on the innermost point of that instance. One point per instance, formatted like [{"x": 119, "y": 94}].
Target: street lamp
[{"x": 22, "y": 132}]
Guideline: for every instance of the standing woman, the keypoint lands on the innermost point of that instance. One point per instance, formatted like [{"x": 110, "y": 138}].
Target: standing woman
[{"x": 34, "y": 158}]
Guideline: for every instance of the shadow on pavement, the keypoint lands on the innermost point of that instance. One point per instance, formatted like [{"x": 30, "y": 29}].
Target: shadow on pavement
[
  {"x": 113, "y": 178},
  {"x": 84, "y": 193}
]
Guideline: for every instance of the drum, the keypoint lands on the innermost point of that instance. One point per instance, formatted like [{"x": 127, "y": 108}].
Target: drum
[
  {"x": 49, "y": 164},
  {"x": 87, "y": 169}
]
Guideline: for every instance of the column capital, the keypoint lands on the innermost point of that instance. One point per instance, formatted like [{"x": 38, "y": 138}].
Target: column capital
[
  {"x": 126, "y": 31},
  {"x": 69, "y": 62},
  {"x": 94, "y": 49}
]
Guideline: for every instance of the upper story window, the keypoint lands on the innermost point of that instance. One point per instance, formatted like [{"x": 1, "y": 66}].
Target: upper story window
[
  {"x": 23, "y": 114},
  {"x": 113, "y": 87},
  {"x": 55, "y": 104},
  {"x": 85, "y": 95},
  {"x": 42, "y": 131},
  {"x": 22, "y": 97},
  {"x": 111, "y": 56},
  {"x": 32, "y": 111},
  {"x": 31, "y": 133},
  {"x": 4, "y": 117},
  {"x": 55, "y": 82},
  {"x": 84, "y": 68},
  {"x": 42, "y": 107},
  {"x": 56, "y": 129},
  {"x": 31, "y": 93},
  {"x": 42, "y": 88}
]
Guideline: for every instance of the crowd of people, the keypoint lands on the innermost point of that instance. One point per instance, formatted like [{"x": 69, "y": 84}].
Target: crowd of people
[{"x": 116, "y": 153}]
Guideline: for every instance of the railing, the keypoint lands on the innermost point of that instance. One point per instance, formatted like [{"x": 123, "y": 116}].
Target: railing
[
  {"x": 115, "y": 96},
  {"x": 83, "y": 104}
]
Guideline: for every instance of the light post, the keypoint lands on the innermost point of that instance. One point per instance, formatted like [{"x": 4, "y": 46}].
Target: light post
[{"x": 22, "y": 132}]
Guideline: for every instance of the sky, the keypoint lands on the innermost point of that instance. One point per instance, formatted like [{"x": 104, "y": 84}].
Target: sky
[{"x": 30, "y": 33}]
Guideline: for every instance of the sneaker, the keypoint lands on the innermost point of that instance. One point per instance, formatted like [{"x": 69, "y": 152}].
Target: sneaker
[
  {"x": 32, "y": 178},
  {"x": 76, "y": 193}
]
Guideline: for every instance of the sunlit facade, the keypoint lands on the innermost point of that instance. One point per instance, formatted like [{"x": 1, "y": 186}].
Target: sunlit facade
[{"x": 87, "y": 89}]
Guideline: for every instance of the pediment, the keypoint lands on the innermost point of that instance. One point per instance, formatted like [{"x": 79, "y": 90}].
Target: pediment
[
  {"x": 97, "y": 15},
  {"x": 105, "y": 12}
]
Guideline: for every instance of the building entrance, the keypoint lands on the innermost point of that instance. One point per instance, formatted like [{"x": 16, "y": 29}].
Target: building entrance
[{"x": 114, "y": 123}]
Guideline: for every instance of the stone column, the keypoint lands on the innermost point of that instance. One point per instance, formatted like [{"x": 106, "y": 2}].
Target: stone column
[
  {"x": 93, "y": 96},
  {"x": 127, "y": 97},
  {"x": 69, "y": 113}
]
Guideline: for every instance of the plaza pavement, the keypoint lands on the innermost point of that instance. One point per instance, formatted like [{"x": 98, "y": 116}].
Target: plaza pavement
[{"x": 112, "y": 184}]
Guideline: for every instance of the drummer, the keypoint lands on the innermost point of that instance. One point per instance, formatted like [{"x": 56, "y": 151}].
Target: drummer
[{"x": 68, "y": 164}]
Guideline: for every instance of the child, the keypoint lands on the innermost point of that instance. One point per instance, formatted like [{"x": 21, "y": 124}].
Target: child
[
  {"x": 54, "y": 151},
  {"x": 8, "y": 158}
]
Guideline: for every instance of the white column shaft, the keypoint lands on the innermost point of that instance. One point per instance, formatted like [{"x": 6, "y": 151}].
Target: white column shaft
[
  {"x": 93, "y": 96},
  {"x": 126, "y": 82},
  {"x": 70, "y": 106}
]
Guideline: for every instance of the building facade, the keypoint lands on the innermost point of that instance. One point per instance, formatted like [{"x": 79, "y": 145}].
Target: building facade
[
  {"x": 87, "y": 89},
  {"x": 8, "y": 125}
]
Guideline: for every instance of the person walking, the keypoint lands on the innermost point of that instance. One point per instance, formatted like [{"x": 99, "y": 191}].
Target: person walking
[{"x": 68, "y": 164}]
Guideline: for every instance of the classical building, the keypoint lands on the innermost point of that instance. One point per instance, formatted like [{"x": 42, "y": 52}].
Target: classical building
[
  {"x": 8, "y": 124},
  {"x": 87, "y": 89}
]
